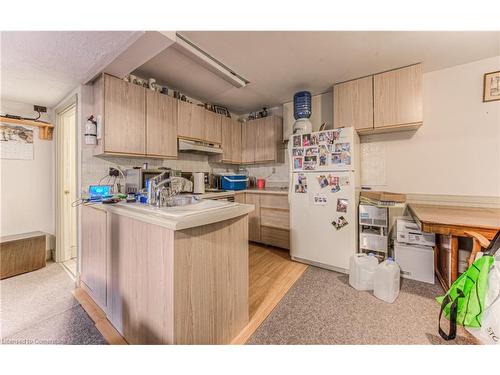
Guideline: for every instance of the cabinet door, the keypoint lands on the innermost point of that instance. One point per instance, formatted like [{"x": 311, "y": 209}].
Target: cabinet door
[
  {"x": 353, "y": 104},
  {"x": 212, "y": 127},
  {"x": 253, "y": 217},
  {"x": 94, "y": 253},
  {"x": 248, "y": 134},
  {"x": 239, "y": 197},
  {"x": 190, "y": 120},
  {"x": 236, "y": 141},
  {"x": 398, "y": 97},
  {"x": 227, "y": 139},
  {"x": 161, "y": 125},
  {"x": 124, "y": 117},
  {"x": 265, "y": 145}
]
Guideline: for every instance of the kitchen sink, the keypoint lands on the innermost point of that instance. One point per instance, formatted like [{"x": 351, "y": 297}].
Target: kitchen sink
[{"x": 182, "y": 206}]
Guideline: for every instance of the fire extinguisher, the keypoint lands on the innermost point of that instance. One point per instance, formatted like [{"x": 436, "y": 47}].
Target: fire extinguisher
[{"x": 91, "y": 131}]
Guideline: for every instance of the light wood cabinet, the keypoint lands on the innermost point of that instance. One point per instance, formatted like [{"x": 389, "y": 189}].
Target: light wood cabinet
[
  {"x": 231, "y": 141},
  {"x": 353, "y": 104},
  {"x": 190, "y": 121},
  {"x": 269, "y": 223},
  {"x": 248, "y": 142},
  {"x": 398, "y": 97},
  {"x": 253, "y": 217},
  {"x": 161, "y": 125},
  {"x": 384, "y": 102},
  {"x": 262, "y": 140},
  {"x": 239, "y": 197},
  {"x": 94, "y": 254},
  {"x": 122, "y": 109},
  {"x": 212, "y": 127}
]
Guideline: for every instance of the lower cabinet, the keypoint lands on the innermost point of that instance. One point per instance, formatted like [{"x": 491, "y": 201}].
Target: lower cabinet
[
  {"x": 270, "y": 222},
  {"x": 94, "y": 254},
  {"x": 253, "y": 217}
]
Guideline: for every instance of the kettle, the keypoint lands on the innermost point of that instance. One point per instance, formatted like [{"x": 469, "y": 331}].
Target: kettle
[{"x": 199, "y": 182}]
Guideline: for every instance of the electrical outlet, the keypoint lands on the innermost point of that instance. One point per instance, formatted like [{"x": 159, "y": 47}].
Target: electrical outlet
[
  {"x": 40, "y": 108},
  {"x": 274, "y": 170},
  {"x": 113, "y": 172}
]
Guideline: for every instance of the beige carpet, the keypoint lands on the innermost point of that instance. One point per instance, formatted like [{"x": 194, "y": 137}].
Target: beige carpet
[
  {"x": 322, "y": 308},
  {"x": 39, "y": 308}
]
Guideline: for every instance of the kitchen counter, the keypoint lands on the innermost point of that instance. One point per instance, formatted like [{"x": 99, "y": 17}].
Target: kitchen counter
[
  {"x": 280, "y": 191},
  {"x": 170, "y": 275},
  {"x": 177, "y": 218}
]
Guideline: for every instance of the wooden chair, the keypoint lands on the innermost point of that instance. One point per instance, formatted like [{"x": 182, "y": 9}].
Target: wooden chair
[{"x": 480, "y": 242}]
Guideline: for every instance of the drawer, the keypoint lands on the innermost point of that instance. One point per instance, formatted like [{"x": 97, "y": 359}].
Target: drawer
[
  {"x": 275, "y": 217},
  {"x": 274, "y": 201},
  {"x": 275, "y": 237}
]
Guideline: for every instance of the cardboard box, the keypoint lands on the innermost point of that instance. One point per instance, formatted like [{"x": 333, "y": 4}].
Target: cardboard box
[
  {"x": 416, "y": 262},
  {"x": 408, "y": 231},
  {"x": 384, "y": 196}
]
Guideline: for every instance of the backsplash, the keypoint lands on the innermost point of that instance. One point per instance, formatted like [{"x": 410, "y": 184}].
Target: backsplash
[{"x": 94, "y": 168}]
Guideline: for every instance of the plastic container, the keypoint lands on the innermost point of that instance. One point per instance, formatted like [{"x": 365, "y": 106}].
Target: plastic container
[
  {"x": 261, "y": 183},
  {"x": 302, "y": 105},
  {"x": 234, "y": 182},
  {"x": 361, "y": 270},
  {"x": 386, "y": 281}
]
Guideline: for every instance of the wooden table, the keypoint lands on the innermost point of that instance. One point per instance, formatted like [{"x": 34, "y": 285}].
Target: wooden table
[{"x": 453, "y": 221}]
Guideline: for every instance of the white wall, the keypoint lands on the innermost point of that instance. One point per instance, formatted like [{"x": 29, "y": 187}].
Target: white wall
[
  {"x": 457, "y": 149},
  {"x": 27, "y": 186}
]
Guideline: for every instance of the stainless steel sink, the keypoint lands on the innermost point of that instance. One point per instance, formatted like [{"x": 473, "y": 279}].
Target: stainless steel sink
[{"x": 182, "y": 200}]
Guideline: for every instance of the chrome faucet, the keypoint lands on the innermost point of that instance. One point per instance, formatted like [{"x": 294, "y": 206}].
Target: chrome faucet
[{"x": 155, "y": 187}]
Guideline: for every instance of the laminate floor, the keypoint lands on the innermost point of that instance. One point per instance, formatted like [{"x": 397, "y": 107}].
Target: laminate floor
[{"x": 272, "y": 273}]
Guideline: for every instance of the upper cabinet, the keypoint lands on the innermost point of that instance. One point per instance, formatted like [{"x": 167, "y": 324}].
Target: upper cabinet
[
  {"x": 212, "y": 127},
  {"x": 121, "y": 108},
  {"x": 199, "y": 124},
  {"x": 231, "y": 140},
  {"x": 398, "y": 97},
  {"x": 248, "y": 142},
  {"x": 161, "y": 125},
  {"x": 353, "y": 104},
  {"x": 385, "y": 102},
  {"x": 191, "y": 118},
  {"x": 262, "y": 140},
  {"x": 134, "y": 121}
]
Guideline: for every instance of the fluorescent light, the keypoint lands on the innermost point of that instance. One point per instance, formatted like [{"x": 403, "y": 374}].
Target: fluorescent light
[{"x": 209, "y": 62}]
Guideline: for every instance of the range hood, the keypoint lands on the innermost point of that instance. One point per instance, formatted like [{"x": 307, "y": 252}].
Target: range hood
[{"x": 199, "y": 147}]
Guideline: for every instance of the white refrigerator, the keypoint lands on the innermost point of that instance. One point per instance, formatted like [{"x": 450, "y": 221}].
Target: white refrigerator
[{"x": 323, "y": 195}]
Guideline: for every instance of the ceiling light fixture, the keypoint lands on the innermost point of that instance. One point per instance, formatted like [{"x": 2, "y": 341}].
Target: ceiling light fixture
[{"x": 209, "y": 62}]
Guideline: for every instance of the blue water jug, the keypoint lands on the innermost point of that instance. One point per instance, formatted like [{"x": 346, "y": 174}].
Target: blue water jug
[{"x": 302, "y": 105}]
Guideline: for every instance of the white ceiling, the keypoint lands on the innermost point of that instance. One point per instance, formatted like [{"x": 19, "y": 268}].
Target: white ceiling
[
  {"x": 278, "y": 64},
  {"x": 43, "y": 67}
]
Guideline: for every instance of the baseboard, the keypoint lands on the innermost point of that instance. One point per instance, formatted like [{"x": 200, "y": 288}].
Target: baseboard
[{"x": 455, "y": 200}]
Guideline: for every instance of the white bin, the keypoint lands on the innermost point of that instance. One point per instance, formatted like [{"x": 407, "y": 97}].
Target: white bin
[
  {"x": 416, "y": 262},
  {"x": 386, "y": 281},
  {"x": 361, "y": 270}
]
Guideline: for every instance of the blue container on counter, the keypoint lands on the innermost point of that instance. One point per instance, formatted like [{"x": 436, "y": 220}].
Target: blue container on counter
[
  {"x": 302, "y": 105},
  {"x": 234, "y": 182}
]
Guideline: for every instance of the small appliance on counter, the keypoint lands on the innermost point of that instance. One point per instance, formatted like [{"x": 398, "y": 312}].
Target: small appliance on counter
[{"x": 136, "y": 178}]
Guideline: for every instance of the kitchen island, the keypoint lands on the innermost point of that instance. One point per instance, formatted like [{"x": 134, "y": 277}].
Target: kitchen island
[{"x": 171, "y": 275}]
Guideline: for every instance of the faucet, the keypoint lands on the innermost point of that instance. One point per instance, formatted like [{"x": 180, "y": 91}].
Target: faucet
[{"x": 155, "y": 188}]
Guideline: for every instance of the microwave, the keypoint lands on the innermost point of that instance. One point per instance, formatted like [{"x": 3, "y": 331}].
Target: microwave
[{"x": 135, "y": 179}]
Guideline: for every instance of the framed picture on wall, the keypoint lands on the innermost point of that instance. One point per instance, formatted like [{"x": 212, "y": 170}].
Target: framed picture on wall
[{"x": 491, "y": 86}]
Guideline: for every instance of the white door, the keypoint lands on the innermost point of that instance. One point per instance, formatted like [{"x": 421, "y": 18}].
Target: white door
[
  {"x": 66, "y": 217},
  {"x": 323, "y": 221}
]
